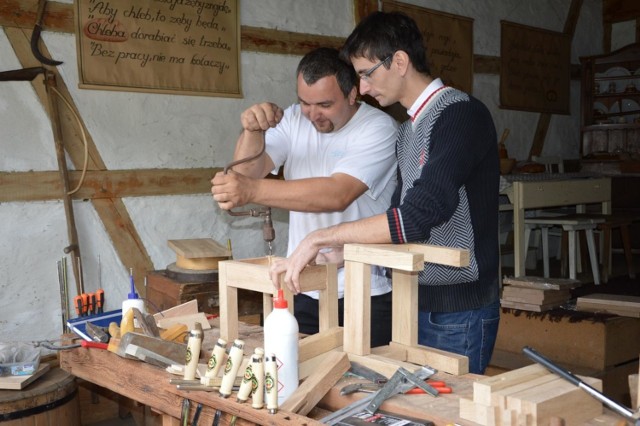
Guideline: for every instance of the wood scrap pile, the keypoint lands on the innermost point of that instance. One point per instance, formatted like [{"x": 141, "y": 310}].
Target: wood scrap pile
[
  {"x": 530, "y": 396},
  {"x": 536, "y": 294},
  {"x": 625, "y": 306}
]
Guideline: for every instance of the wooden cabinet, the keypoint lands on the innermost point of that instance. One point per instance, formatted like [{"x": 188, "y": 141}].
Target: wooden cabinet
[{"x": 610, "y": 110}]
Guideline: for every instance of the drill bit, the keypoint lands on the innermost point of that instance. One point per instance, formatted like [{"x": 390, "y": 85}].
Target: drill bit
[{"x": 268, "y": 232}]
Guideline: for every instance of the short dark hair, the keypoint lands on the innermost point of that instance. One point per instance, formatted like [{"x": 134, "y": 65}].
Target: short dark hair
[
  {"x": 326, "y": 61},
  {"x": 381, "y": 34}
]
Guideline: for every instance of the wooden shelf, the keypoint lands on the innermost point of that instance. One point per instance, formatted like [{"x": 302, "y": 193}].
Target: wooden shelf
[{"x": 614, "y": 137}]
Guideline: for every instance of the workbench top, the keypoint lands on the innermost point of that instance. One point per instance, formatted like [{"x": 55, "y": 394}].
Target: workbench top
[{"x": 149, "y": 385}]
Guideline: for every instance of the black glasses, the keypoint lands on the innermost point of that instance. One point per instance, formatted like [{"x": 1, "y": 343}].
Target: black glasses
[{"x": 366, "y": 75}]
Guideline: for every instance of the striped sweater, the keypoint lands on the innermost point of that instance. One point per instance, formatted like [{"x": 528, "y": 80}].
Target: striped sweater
[{"x": 447, "y": 195}]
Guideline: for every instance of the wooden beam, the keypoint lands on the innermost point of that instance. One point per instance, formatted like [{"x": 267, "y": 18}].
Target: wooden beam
[
  {"x": 99, "y": 184},
  {"x": 60, "y": 17},
  {"x": 545, "y": 118}
]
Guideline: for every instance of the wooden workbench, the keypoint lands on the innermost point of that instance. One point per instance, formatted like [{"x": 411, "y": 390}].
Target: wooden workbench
[
  {"x": 149, "y": 385},
  {"x": 538, "y": 191}
]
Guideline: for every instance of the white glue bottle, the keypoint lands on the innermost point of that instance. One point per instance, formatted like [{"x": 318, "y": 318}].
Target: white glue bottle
[
  {"x": 281, "y": 339},
  {"x": 133, "y": 300}
]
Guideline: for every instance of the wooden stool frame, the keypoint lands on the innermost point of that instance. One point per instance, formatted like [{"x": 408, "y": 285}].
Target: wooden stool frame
[
  {"x": 253, "y": 274},
  {"x": 406, "y": 262}
]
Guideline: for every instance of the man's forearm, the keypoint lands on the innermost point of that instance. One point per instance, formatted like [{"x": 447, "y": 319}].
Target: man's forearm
[
  {"x": 249, "y": 145},
  {"x": 311, "y": 195},
  {"x": 371, "y": 230}
]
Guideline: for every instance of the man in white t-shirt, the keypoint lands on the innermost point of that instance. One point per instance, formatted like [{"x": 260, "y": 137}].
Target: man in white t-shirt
[{"x": 339, "y": 165}]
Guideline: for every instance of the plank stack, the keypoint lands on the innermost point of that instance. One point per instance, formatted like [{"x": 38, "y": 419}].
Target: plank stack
[
  {"x": 536, "y": 294},
  {"x": 530, "y": 396},
  {"x": 625, "y": 306}
]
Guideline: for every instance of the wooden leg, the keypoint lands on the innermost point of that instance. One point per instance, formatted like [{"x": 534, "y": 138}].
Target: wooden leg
[
  {"x": 605, "y": 256},
  {"x": 527, "y": 235},
  {"x": 591, "y": 243},
  {"x": 357, "y": 308},
  {"x": 564, "y": 243},
  {"x": 572, "y": 254},
  {"x": 545, "y": 250},
  {"x": 626, "y": 243}
]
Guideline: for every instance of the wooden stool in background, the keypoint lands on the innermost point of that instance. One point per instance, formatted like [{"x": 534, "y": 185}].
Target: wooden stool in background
[
  {"x": 610, "y": 222},
  {"x": 571, "y": 224}
]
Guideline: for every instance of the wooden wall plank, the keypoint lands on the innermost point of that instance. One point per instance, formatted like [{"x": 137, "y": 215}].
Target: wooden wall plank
[{"x": 42, "y": 186}]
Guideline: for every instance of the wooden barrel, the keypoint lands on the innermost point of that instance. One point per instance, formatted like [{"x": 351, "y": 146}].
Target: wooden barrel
[{"x": 51, "y": 400}]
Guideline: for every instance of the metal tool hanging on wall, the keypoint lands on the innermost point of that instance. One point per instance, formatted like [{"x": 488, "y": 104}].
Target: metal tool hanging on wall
[
  {"x": 29, "y": 74},
  {"x": 268, "y": 232},
  {"x": 35, "y": 37}
]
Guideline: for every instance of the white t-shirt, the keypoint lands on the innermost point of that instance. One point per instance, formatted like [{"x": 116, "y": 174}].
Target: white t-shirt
[{"x": 364, "y": 148}]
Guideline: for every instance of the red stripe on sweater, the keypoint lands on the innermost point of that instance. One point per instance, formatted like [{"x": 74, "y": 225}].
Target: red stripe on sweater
[{"x": 398, "y": 229}]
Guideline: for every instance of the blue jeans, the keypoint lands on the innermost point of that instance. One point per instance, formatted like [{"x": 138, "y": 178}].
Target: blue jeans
[{"x": 470, "y": 333}]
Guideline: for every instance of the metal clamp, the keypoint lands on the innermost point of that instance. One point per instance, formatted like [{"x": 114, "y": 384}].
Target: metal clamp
[{"x": 401, "y": 381}]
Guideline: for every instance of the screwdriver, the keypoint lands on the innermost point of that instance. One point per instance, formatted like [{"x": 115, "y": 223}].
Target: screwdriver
[
  {"x": 99, "y": 301},
  {"x": 79, "y": 305},
  {"x": 91, "y": 303}
]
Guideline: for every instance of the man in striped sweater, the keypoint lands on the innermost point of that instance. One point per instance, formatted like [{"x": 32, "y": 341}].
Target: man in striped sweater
[{"x": 447, "y": 191}]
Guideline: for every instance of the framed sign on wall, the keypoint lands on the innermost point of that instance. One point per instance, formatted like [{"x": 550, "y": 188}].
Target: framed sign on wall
[
  {"x": 449, "y": 42},
  {"x": 535, "y": 69},
  {"x": 163, "y": 46}
]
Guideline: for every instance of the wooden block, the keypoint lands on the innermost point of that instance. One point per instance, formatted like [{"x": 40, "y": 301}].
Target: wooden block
[
  {"x": 628, "y": 306},
  {"x": 357, "y": 308},
  {"x": 385, "y": 366},
  {"x": 198, "y": 254},
  {"x": 319, "y": 343},
  {"x": 307, "y": 395},
  {"x": 499, "y": 397},
  {"x": 407, "y": 257},
  {"x": 188, "y": 320},
  {"x": 505, "y": 303},
  {"x": 228, "y": 305},
  {"x": 387, "y": 255},
  {"x": 534, "y": 295},
  {"x": 249, "y": 274},
  {"x": 328, "y": 300},
  {"x": 450, "y": 256},
  {"x": 482, "y": 389},
  {"x": 633, "y": 390},
  {"x": 562, "y": 399},
  {"x": 478, "y": 413},
  {"x": 186, "y": 308},
  {"x": 176, "y": 332},
  {"x": 199, "y": 247},
  {"x": 311, "y": 365},
  {"x": 253, "y": 275},
  {"x": 444, "y": 361},
  {"x": 542, "y": 283},
  {"x": 404, "y": 323},
  {"x": 397, "y": 352}
]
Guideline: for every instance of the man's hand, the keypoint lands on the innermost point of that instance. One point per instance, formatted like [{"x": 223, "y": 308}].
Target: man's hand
[
  {"x": 233, "y": 189},
  {"x": 294, "y": 264},
  {"x": 261, "y": 117}
]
